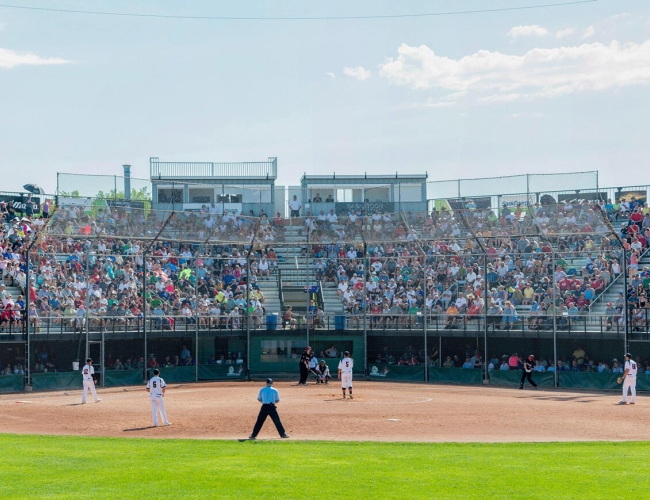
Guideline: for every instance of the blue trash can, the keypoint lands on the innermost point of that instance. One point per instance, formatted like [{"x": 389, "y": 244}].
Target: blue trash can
[
  {"x": 272, "y": 322},
  {"x": 339, "y": 322}
]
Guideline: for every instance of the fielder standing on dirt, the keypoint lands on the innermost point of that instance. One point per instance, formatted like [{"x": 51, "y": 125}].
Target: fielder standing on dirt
[
  {"x": 88, "y": 374},
  {"x": 345, "y": 373},
  {"x": 629, "y": 379},
  {"x": 529, "y": 364},
  {"x": 156, "y": 389}
]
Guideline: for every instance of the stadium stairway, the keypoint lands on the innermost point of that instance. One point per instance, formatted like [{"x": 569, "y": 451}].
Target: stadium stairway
[
  {"x": 271, "y": 295},
  {"x": 332, "y": 303},
  {"x": 611, "y": 293}
]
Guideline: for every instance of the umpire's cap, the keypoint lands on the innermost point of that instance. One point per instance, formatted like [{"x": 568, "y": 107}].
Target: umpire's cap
[
  {"x": 156, "y": 371},
  {"x": 628, "y": 355},
  {"x": 269, "y": 381},
  {"x": 89, "y": 360}
]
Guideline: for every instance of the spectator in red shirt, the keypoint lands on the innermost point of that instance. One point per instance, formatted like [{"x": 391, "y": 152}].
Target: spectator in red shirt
[{"x": 636, "y": 217}]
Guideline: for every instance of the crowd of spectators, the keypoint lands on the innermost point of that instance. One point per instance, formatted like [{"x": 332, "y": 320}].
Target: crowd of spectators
[
  {"x": 85, "y": 273},
  {"x": 522, "y": 267}
]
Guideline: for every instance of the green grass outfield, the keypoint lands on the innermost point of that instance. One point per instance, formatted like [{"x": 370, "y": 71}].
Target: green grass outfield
[{"x": 82, "y": 467}]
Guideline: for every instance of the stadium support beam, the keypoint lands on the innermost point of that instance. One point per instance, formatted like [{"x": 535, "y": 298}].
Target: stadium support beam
[
  {"x": 486, "y": 373},
  {"x": 416, "y": 240},
  {"x": 256, "y": 226},
  {"x": 608, "y": 223},
  {"x": 28, "y": 285},
  {"x": 144, "y": 288}
]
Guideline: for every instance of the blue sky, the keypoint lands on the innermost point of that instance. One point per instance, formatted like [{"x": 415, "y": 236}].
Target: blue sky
[{"x": 530, "y": 91}]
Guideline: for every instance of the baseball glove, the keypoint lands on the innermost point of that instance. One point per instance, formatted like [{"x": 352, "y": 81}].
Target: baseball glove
[{"x": 619, "y": 380}]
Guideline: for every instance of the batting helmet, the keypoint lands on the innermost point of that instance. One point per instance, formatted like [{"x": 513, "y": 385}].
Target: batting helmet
[
  {"x": 628, "y": 355},
  {"x": 89, "y": 360}
]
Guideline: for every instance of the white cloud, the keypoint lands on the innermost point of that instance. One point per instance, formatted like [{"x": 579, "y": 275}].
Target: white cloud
[
  {"x": 431, "y": 103},
  {"x": 11, "y": 58},
  {"x": 360, "y": 73},
  {"x": 529, "y": 30},
  {"x": 330, "y": 75},
  {"x": 566, "y": 32},
  {"x": 492, "y": 76},
  {"x": 536, "y": 115},
  {"x": 622, "y": 14},
  {"x": 589, "y": 32}
]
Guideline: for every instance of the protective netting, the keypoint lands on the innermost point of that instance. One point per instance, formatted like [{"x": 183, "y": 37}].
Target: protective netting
[{"x": 404, "y": 288}]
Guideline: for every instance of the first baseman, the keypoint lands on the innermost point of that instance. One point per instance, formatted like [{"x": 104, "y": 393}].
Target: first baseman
[
  {"x": 156, "y": 389},
  {"x": 345, "y": 373},
  {"x": 629, "y": 379},
  {"x": 88, "y": 374}
]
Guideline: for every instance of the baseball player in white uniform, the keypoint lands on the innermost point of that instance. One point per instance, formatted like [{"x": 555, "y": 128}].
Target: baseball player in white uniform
[
  {"x": 629, "y": 379},
  {"x": 156, "y": 389},
  {"x": 88, "y": 374},
  {"x": 345, "y": 373}
]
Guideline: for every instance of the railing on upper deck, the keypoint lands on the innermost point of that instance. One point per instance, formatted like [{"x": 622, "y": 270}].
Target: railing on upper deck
[{"x": 236, "y": 170}]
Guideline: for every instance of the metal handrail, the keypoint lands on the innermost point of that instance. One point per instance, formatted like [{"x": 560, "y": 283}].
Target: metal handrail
[{"x": 236, "y": 170}]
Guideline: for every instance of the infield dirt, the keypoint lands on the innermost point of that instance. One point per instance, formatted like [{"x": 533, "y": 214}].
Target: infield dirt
[{"x": 379, "y": 412}]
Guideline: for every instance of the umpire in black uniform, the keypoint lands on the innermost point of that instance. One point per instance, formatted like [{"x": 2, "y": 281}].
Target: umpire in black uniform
[{"x": 304, "y": 365}]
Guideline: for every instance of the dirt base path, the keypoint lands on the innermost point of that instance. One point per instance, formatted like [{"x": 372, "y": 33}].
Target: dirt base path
[{"x": 379, "y": 412}]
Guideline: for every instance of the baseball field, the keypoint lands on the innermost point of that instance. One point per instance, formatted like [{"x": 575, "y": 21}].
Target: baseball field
[{"x": 391, "y": 441}]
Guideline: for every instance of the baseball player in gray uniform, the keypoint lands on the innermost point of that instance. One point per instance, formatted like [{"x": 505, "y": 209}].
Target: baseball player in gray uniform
[
  {"x": 88, "y": 374},
  {"x": 629, "y": 379}
]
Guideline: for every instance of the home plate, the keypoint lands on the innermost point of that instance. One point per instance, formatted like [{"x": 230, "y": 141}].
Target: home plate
[
  {"x": 24, "y": 402},
  {"x": 393, "y": 419}
]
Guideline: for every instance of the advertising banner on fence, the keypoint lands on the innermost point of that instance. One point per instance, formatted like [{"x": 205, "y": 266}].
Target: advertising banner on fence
[
  {"x": 127, "y": 204},
  {"x": 577, "y": 197},
  {"x": 396, "y": 372},
  {"x": 640, "y": 195},
  {"x": 18, "y": 203},
  {"x": 70, "y": 202},
  {"x": 477, "y": 202},
  {"x": 514, "y": 200},
  {"x": 367, "y": 207}
]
